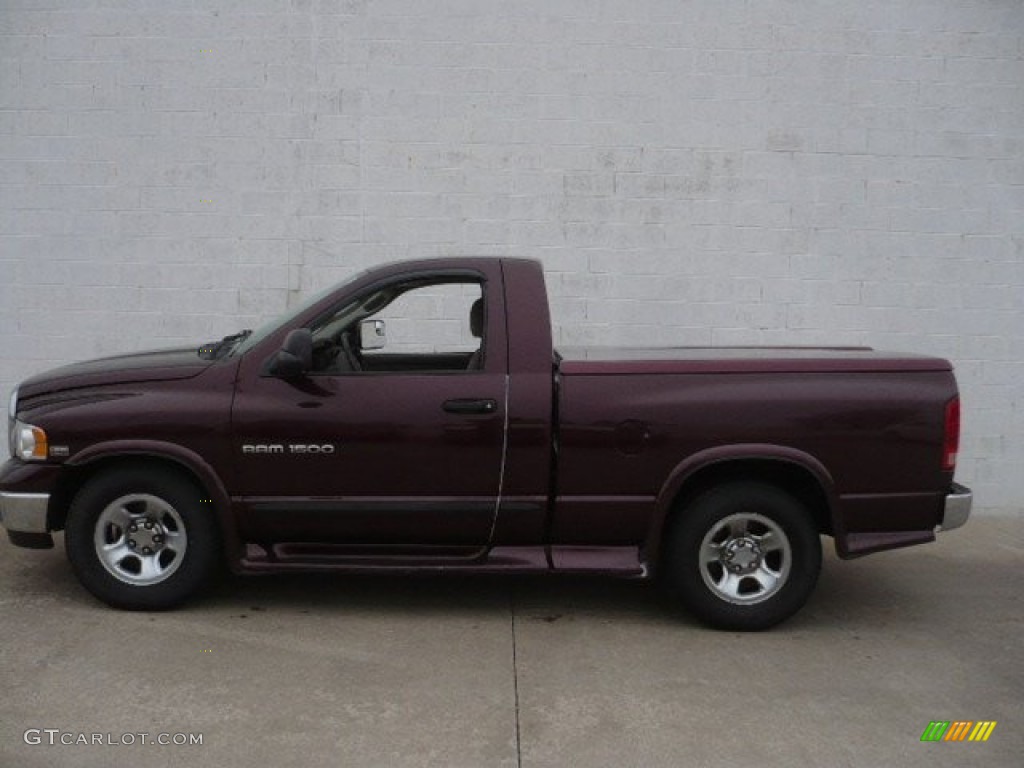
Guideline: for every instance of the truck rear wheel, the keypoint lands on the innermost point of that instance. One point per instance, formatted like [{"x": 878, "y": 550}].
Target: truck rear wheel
[
  {"x": 743, "y": 556},
  {"x": 138, "y": 539}
]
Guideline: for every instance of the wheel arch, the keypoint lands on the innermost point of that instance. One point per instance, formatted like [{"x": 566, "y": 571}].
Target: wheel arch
[
  {"x": 82, "y": 467},
  {"x": 791, "y": 470}
]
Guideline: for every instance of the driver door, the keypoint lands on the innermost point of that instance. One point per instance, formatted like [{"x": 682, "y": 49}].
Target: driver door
[{"x": 396, "y": 450}]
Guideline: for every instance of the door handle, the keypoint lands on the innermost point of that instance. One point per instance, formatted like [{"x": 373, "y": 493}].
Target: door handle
[{"x": 470, "y": 405}]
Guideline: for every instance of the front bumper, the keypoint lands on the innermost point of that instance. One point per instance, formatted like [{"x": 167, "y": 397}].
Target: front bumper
[
  {"x": 24, "y": 517},
  {"x": 24, "y": 512},
  {"x": 24, "y": 501},
  {"x": 957, "y": 507}
]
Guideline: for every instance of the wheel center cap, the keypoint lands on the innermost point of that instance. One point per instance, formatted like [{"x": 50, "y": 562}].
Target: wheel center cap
[
  {"x": 742, "y": 555},
  {"x": 146, "y": 537}
]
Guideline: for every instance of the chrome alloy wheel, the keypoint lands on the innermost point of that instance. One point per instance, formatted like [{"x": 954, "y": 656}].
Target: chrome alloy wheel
[
  {"x": 745, "y": 558},
  {"x": 140, "y": 539}
]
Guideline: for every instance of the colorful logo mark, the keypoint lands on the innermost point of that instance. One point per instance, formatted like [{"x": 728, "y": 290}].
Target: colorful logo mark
[{"x": 958, "y": 730}]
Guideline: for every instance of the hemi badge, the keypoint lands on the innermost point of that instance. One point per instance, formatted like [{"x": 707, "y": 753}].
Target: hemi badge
[{"x": 58, "y": 451}]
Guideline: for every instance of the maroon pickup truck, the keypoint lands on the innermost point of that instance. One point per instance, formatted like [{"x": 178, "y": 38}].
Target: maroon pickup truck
[{"x": 417, "y": 418}]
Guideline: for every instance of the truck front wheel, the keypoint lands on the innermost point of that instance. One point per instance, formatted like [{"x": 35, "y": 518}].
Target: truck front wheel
[
  {"x": 743, "y": 556},
  {"x": 138, "y": 539}
]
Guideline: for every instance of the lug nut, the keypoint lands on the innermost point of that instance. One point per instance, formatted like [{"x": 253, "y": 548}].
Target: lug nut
[
  {"x": 131, "y": 544},
  {"x": 147, "y": 551},
  {"x": 149, "y": 524},
  {"x": 158, "y": 538},
  {"x": 133, "y": 527}
]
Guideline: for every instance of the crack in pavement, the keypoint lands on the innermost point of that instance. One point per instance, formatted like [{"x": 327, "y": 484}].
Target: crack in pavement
[{"x": 515, "y": 675}]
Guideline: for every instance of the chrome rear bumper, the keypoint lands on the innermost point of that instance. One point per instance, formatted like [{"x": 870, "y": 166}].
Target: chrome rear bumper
[{"x": 957, "y": 508}]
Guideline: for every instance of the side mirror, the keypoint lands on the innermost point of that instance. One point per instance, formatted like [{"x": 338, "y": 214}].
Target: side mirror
[
  {"x": 295, "y": 356},
  {"x": 373, "y": 334}
]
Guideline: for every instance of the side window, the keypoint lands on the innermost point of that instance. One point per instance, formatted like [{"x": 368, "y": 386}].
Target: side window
[
  {"x": 433, "y": 320},
  {"x": 428, "y": 326}
]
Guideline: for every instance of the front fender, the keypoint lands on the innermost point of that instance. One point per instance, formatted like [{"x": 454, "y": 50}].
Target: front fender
[{"x": 184, "y": 457}]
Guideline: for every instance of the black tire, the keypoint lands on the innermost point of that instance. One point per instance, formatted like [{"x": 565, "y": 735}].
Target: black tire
[
  {"x": 155, "y": 567},
  {"x": 761, "y": 556}
]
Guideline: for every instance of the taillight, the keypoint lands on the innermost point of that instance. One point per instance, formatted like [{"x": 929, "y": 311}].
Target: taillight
[{"x": 951, "y": 438}]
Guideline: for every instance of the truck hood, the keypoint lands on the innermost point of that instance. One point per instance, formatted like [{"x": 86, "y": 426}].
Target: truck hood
[
  {"x": 158, "y": 365},
  {"x": 601, "y": 361}
]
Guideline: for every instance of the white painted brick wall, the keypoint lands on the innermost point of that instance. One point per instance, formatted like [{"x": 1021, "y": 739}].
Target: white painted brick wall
[{"x": 704, "y": 172}]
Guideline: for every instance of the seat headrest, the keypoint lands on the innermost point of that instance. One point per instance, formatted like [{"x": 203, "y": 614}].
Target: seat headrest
[{"x": 476, "y": 319}]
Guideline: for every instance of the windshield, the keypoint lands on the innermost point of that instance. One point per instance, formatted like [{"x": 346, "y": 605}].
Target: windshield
[{"x": 268, "y": 328}]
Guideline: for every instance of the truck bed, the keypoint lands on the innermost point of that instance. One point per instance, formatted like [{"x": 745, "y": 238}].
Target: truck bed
[
  {"x": 870, "y": 422},
  {"x": 626, "y": 360}
]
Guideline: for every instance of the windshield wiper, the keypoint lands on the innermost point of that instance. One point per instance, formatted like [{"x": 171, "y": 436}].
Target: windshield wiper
[{"x": 215, "y": 350}]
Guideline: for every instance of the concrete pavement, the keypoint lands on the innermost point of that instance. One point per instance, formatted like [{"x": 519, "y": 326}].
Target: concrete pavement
[{"x": 310, "y": 671}]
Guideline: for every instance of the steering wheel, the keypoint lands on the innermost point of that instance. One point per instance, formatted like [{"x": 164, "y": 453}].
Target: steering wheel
[
  {"x": 325, "y": 351},
  {"x": 350, "y": 353}
]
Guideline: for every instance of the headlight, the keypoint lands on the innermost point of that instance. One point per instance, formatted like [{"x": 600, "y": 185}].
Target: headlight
[
  {"x": 12, "y": 415},
  {"x": 12, "y": 410},
  {"x": 28, "y": 443}
]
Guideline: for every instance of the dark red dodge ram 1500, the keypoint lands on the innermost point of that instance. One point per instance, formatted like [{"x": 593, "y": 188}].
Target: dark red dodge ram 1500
[{"x": 456, "y": 438}]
